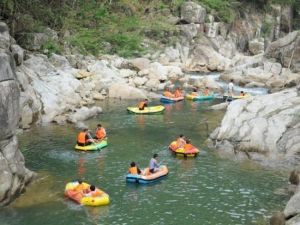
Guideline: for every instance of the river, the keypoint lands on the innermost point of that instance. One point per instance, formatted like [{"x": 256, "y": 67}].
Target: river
[{"x": 202, "y": 190}]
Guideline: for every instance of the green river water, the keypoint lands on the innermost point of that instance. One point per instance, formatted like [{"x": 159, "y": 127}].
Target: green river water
[{"x": 202, "y": 190}]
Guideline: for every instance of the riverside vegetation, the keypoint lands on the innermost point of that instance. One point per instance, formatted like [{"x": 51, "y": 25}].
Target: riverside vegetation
[{"x": 125, "y": 27}]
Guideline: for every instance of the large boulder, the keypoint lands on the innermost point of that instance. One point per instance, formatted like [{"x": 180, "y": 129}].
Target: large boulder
[
  {"x": 191, "y": 12},
  {"x": 256, "y": 46},
  {"x": 124, "y": 91},
  {"x": 286, "y": 50},
  {"x": 48, "y": 82},
  {"x": 140, "y": 63},
  {"x": 264, "y": 128},
  {"x": 84, "y": 113}
]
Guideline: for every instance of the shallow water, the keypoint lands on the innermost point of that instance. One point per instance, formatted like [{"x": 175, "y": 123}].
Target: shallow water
[
  {"x": 224, "y": 85},
  {"x": 204, "y": 190}
]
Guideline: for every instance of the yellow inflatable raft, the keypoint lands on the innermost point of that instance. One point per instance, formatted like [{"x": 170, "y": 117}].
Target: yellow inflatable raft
[
  {"x": 79, "y": 197},
  {"x": 236, "y": 96},
  {"x": 92, "y": 147},
  {"x": 146, "y": 110}
]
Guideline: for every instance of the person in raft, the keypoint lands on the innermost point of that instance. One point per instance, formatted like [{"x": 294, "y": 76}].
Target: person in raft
[
  {"x": 242, "y": 93},
  {"x": 195, "y": 91},
  {"x": 84, "y": 138},
  {"x": 178, "y": 92},
  {"x": 188, "y": 145},
  {"x": 206, "y": 91},
  {"x": 100, "y": 133},
  {"x": 143, "y": 104},
  {"x": 80, "y": 187},
  {"x": 133, "y": 169},
  {"x": 181, "y": 141},
  {"x": 93, "y": 192},
  {"x": 153, "y": 165},
  {"x": 168, "y": 93}
]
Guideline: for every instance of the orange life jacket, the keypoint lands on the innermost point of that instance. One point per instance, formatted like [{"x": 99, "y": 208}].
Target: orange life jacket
[
  {"x": 142, "y": 105},
  {"x": 133, "y": 170},
  {"x": 168, "y": 94},
  {"x": 81, "y": 137},
  {"x": 177, "y": 93},
  {"x": 188, "y": 146},
  {"x": 79, "y": 187},
  {"x": 96, "y": 193},
  {"x": 100, "y": 133},
  {"x": 206, "y": 92},
  {"x": 194, "y": 94}
]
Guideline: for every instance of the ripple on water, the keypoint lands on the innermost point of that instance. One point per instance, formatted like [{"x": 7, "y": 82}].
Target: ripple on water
[{"x": 202, "y": 190}]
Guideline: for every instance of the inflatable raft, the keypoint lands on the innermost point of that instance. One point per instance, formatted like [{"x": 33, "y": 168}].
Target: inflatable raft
[
  {"x": 165, "y": 99},
  {"x": 192, "y": 152},
  {"x": 93, "y": 146},
  {"x": 79, "y": 198},
  {"x": 234, "y": 97},
  {"x": 147, "y": 110},
  {"x": 200, "y": 97},
  {"x": 146, "y": 177}
]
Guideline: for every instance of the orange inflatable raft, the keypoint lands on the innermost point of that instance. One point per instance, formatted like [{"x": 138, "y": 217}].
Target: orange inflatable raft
[{"x": 191, "y": 152}]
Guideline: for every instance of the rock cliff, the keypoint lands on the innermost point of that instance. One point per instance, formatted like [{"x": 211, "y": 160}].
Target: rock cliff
[{"x": 14, "y": 176}]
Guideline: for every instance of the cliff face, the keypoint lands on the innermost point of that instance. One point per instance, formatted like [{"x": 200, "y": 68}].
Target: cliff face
[{"x": 13, "y": 174}]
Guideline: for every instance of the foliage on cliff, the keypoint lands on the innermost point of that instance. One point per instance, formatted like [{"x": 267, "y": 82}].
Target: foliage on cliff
[{"x": 125, "y": 27}]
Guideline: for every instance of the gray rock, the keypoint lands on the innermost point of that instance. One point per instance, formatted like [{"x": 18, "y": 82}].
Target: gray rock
[
  {"x": 124, "y": 91},
  {"x": 84, "y": 113},
  {"x": 256, "y": 46},
  {"x": 140, "y": 63},
  {"x": 286, "y": 50},
  {"x": 13, "y": 174},
  {"x": 18, "y": 54},
  {"x": 293, "y": 206},
  {"x": 266, "y": 125},
  {"x": 4, "y": 36},
  {"x": 191, "y": 12}
]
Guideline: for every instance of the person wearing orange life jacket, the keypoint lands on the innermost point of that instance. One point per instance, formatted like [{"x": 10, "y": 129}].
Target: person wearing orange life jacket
[
  {"x": 143, "y": 104},
  {"x": 100, "y": 132},
  {"x": 206, "y": 91},
  {"x": 93, "y": 192},
  {"x": 178, "y": 93},
  {"x": 80, "y": 187},
  {"x": 188, "y": 145},
  {"x": 168, "y": 93},
  {"x": 133, "y": 169},
  {"x": 84, "y": 138}
]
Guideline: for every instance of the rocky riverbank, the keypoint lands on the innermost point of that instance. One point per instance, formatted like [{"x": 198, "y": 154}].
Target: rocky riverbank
[
  {"x": 14, "y": 176},
  {"x": 65, "y": 88}
]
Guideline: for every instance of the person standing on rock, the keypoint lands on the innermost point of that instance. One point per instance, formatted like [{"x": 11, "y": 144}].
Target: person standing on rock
[{"x": 230, "y": 88}]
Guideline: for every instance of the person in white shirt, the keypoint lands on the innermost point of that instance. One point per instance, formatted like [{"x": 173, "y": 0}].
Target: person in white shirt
[{"x": 230, "y": 88}]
